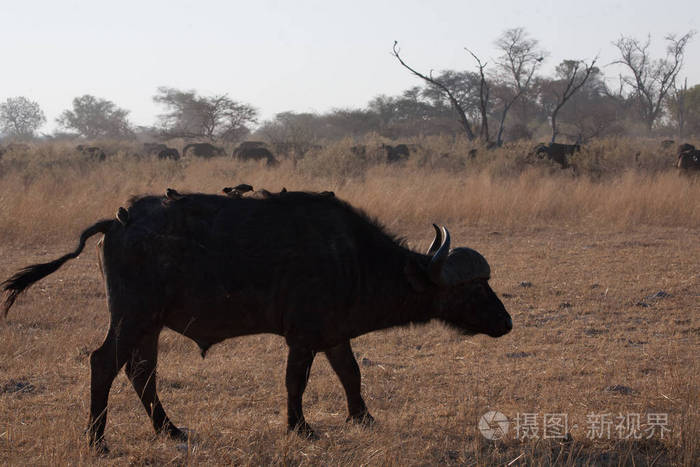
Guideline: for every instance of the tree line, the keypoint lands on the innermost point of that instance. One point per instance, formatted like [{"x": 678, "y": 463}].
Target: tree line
[{"x": 505, "y": 99}]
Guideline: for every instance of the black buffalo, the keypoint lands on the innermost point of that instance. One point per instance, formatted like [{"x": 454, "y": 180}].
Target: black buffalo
[
  {"x": 359, "y": 150},
  {"x": 688, "y": 158},
  {"x": 169, "y": 153},
  {"x": 308, "y": 267},
  {"x": 557, "y": 152},
  {"x": 251, "y": 144},
  {"x": 153, "y": 149},
  {"x": 205, "y": 150},
  {"x": 254, "y": 153},
  {"x": 398, "y": 153}
]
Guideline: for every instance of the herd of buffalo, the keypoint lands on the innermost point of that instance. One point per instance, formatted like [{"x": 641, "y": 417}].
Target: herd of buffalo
[{"x": 688, "y": 157}]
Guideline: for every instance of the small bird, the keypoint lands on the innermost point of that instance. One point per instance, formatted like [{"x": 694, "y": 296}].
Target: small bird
[
  {"x": 123, "y": 216},
  {"x": 173, "y": 195},
  {"x": 243, "y": 188},
  {"x": 237, "y": 191}
]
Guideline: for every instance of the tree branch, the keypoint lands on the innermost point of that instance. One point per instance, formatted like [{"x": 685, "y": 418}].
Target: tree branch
[{"x": 455, "y": 103}]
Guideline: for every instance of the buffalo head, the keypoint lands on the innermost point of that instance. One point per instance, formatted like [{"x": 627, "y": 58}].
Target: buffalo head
[{"x": 465, "y": 300}]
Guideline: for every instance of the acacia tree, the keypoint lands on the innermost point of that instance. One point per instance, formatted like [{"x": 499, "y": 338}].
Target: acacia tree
[
  {"x": 20, "y": 118},
  {"x": 192, "y": 116},
  {"x": 516, "y": 66},
  {"x": 444, "y": 89},
  {"x": 651, "y": 80},
  {"x": 93, "y": 117}
]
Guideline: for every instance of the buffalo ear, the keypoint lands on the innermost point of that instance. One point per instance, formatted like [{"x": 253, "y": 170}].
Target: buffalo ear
[{"x": 416, "y": 275}]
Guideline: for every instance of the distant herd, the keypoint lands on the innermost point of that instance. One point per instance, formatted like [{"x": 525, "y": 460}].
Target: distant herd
[{"x": 687, "y": 156}]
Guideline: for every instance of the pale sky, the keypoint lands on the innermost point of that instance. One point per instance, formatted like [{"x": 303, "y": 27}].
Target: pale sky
[{"x": 303, "y": 55}]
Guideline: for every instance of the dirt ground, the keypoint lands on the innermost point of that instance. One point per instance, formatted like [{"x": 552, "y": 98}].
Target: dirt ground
[{"x": 600, "y": 368}]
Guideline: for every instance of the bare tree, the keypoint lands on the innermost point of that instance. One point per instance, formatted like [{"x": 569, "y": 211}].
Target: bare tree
[
  {"x": 593, "y": 112},
  {"x": 20, "y": 118},
  {"x": 520, "y": 59},
  {"x": 484, "y": 92},
  {"x": 93, "y": 117},
  {"x": 651, "y": 80},
  {"x": 571, "y": 78},
  {"x": 461, "y": 114},
  {"x": 192, "y": 116}
]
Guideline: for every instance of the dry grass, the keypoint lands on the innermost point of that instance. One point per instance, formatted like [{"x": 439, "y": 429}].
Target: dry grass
[
  {"x": 52, "y": 193},
  {"x": 596, "y": 249}
]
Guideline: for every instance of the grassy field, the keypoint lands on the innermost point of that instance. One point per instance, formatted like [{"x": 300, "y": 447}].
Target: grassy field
[{"x": 600, "y": 271}]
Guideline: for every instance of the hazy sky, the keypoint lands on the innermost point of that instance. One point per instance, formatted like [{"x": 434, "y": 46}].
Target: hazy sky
[{"x": 298, "y": 55}]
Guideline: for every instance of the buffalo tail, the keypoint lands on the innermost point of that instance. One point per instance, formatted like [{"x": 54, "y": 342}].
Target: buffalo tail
[{"x": 15, "y": 285}]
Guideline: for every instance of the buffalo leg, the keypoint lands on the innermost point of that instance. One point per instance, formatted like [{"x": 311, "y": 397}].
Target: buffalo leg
[
  {"x": 141, "y": 371},
  {"x": 299, "y": 363},
  {"x": 345, "y": 366},
  {"x": 105, "y": 363}
]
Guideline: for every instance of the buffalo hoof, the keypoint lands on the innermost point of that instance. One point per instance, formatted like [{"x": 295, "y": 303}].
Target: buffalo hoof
[
  {"x": 176, "y": 434},
  {"x": 99, "y": 448},
  {"x": 304, "y": 430},
  {"x": 363, "y": 418}
]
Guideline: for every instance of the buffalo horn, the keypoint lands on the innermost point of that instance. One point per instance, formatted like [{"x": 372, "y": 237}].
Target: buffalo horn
[
  {"x": 437, "y": 262},
  {"x": 436, "y": 242}
]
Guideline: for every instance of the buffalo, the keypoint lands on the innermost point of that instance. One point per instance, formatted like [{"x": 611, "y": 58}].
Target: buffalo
[
  {"x": 359, "y": 150},
  {"x": 254, "y": 153},
  {"x": 557, "y": 152},
  {"x": 309, "y": 267},
  {"x": 398, "y": 153},
  {"x": 169, "y": 153},
  {"x": 205, "y": 150},
  {"x": 688, "y": 158},
  {"x": 251, "y": 144},
  {"x": 153, "y": 149}
]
